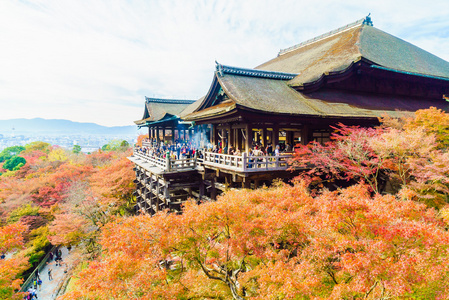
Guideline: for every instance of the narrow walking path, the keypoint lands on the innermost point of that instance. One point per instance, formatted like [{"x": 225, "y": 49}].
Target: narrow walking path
[{"x": 50, "y": 288}]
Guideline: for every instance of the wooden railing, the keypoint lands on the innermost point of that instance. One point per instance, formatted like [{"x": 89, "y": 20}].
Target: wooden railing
[
  {"x": 155, "y": 161},
  {"x": 167, "y": 164},
  {"x": 146, "y": 144},
  {"x": 245, "y": 163},
  {"x": 238, "y": 163}
]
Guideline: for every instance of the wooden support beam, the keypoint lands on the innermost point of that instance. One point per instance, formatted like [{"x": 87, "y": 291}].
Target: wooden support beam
[
  {"x": 305, "y": 133},
  {"x": 275, "y": 135},
  {"x": 231, "y": 138},
  {"x": 157, "y": 195},
  {"x": 249, "y": 137},
  {"x": 246, "y": 183},
  {"x": 213, "y": 189},
  {"x": 201, "y": 190},
  {"x": 264, "y": 137}
]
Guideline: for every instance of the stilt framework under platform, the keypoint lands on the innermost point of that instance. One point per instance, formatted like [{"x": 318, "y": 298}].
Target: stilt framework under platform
[{"x": 165, "y": 184}]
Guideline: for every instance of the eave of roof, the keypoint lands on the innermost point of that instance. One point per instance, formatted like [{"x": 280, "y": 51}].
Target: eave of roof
[
  {"x": 157, "y": 109},
  {"x": 219, "y": 109},
  {"x": 410, "y": 73},
  {"x": 168, "y": 101},
  {"x": 223, "y": 69},
  {"x": 269, "y": 96},
  {"x": 164, "y": 120}
]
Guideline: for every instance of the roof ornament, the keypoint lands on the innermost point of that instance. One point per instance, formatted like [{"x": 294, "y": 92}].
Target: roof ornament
[
  {"x": 219, "y": 68},
  {"x": 368, "y": 20}
]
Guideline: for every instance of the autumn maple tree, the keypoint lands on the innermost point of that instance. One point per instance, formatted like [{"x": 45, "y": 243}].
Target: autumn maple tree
[
  {"x": 11, "y": 239},
  {"x": 54, "y": 197},
  {"x": 275, "y": 243}
]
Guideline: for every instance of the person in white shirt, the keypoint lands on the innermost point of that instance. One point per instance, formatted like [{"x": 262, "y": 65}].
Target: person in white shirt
[{"x": 276, "y": 151}]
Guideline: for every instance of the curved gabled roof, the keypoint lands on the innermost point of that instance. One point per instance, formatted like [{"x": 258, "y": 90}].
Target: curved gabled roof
[
  {"x": 339, "y": 50},
  {"x": 157, "y": 109},
  {"x": 274, "y": 96}
]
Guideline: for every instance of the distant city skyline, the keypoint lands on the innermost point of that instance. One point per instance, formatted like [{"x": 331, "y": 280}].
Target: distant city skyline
[{"x": 95, "y": 61}]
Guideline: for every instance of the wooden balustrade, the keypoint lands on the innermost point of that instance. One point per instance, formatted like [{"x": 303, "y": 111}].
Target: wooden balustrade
[
  {"x": 238, "y": 163},
  {"x": 167, "y": 164},
  {"x": 245, "y": 163}
]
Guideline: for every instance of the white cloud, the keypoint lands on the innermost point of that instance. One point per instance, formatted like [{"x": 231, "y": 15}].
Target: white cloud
[{"x": 94, "y": 61}]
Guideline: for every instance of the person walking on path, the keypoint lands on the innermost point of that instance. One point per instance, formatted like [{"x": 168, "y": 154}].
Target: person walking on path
[{"x": 50, "y": 277}]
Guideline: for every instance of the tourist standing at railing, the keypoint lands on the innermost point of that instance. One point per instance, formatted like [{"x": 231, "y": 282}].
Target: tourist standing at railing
[
  {"x": 270, "y": 149},
  {"x": 277, "y": 151}
]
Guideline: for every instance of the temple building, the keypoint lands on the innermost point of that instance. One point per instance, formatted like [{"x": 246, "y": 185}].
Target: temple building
[
  {"x": 352, "y": 75},
  {"x": 161, "y": 116}
]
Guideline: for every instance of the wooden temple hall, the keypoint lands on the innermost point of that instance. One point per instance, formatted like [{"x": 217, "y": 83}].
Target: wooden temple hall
[{"x": 352, "y": 75}]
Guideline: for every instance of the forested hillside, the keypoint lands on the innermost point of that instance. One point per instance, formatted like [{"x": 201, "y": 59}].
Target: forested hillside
[
  {"x": 52, "y": 195},
  {"x": 383, "y": 236}
]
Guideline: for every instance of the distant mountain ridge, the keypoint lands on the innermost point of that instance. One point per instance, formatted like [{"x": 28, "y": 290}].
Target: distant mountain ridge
[{"x": 60, "y": 126}]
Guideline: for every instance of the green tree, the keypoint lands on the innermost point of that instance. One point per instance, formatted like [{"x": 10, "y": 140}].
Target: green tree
[
  {"x": 14, "y": 163},
  {"x": 9, "y": 152},
  {"x": 76, "y": 149},
  {"x": 116, "y": 145}
]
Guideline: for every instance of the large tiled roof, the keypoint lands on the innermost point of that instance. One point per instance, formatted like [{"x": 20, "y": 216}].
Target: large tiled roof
[
  {"x": 338, "y": 50},
  {"x": 277, "y": 97},
  {"x": 157, "y": 109}
]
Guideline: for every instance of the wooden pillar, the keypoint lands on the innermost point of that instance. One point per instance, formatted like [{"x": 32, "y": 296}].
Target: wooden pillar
[
  {"x": 223, "y": 138},
  {"x": 216, "y": 136},
  {"x": 264, "y": 137},
  {"x": 249, "y": 137},
  {"x": 275, "y": 135},
  {"x": 167, "y": 194},
  {"x": 246, "y": 183},
  {"x": 231, "y": 137},
  {"x": 289, "y": 138},
  {"x": 157, "y": 194},
  {"x": 305, "y": 134},
  {"x": 213, "y": 189}
]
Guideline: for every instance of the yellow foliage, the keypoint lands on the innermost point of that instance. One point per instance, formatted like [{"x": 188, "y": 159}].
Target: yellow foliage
[{"x": 58, "y": 154}]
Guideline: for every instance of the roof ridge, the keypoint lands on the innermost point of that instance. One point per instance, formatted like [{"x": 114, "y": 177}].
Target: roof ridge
[
  {"x": 326, "y": 35},
  {"x": 168, "y": 101},
  {"x": 223, "y": 69}
]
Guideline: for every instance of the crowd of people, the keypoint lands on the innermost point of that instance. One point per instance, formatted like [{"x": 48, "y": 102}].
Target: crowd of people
[
  {"x": 178, "y": 150},
  {"x": 185, "y": 149}
]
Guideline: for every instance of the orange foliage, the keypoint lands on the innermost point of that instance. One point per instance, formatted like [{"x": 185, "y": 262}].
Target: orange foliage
[
  {"x": 10, "y": 269},
  {"x": 11, "y": 239},
  {"x": 140, "y": 139},
  {"x": 277, "y": 243},
  {"x": 114, "y": 182}
]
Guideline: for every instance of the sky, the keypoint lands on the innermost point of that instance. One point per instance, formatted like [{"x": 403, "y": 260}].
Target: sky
[{"x": 96, "y": 60}]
